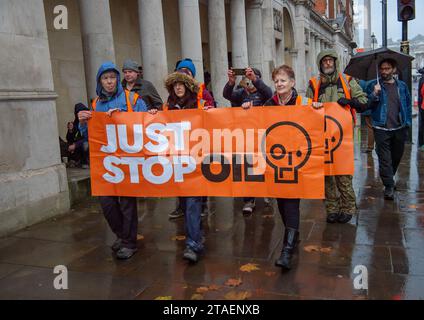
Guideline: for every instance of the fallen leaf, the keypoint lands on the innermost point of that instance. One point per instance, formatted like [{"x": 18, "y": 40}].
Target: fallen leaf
[
  {"x": 196, "y": 296},
  {"x": 178, "y": 238},
  {"x": 140, "y": 237},
  {"x": 164, "y": 298},
  {"x": 270, "y": 273},
  {"x": 234, "y": 295},
  {"x": 233, "y": 282},
  {"x": 311, "y": 248},
  {"x": 249, "y": 267},
  {"x": 214, "y": 287},
  {"x": 367, "y": 187},
  {"x": 202, "y": 289},
  {"x": 326, "y": 250},
  {"x": 370, "y": 198},
  {"x": 339, "y": 276}
]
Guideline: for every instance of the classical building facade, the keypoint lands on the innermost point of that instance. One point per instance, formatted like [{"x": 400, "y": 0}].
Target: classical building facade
[{"x": 51, "y": 65}]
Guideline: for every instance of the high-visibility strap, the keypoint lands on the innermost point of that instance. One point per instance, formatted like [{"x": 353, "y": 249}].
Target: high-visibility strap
[
  {"x": 303, "y": 101},
  {"x": 128, "y": 100},
  {"x": 200, "y": 101},
  {"x": 344, "y": 79},
  {"x": 315, "y": 84},
  {"x": 94, "y": 103}
]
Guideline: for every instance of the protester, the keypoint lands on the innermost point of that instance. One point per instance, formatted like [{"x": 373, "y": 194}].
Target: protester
[
  {"x": 286, "y": 95},
  {"x": 134, "y": 83},
  {"x": 254, "y": 92},
  {"x": 334, "y": 86},
  {"x": 184, "y": 94},
  {"x": 77, "y": 145},
  {"x": 390, "y": 102},
  {"x": 204, "y": 96},
  {"x": 120, "y": 212}
]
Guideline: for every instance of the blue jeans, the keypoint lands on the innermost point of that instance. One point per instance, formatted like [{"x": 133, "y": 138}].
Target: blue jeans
[{"x": 193, "y": 222}]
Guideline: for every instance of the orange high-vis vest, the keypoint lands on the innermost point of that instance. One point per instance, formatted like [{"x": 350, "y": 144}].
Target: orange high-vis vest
[
  {"x": 200, "y": 101},
  {"x": 127, "y": 99},
  {"x": 344, "y": 79},
  {"x": 303, "y": 101}
]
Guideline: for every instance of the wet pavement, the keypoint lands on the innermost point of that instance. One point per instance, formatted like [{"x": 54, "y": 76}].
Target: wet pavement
[{"x": 387, "y": 237}]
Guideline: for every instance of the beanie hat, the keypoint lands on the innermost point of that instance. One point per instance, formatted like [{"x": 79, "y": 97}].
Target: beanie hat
[
  {"x": 186, "y": 63},
  {"x": 130, "y": 65}
]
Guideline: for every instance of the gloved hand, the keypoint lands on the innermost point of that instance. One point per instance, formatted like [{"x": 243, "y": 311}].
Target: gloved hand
[
  {"x": 344, "y": 102},
  {"x": 353, "y": 103}
]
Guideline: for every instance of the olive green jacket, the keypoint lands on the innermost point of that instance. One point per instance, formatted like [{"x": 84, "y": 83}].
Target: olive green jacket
[{"x": 333, "y": 91}]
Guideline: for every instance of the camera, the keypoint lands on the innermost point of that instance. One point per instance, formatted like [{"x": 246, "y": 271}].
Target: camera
[{"x": 238, "y": 71}]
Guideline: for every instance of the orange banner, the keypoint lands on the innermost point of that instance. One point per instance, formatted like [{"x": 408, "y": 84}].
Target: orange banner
[
  {"x": 273, "y": 152},
  {"x": 338, "y": 141}
]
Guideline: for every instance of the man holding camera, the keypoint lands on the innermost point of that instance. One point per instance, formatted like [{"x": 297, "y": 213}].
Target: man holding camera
[{"x": 252, "y": 92}]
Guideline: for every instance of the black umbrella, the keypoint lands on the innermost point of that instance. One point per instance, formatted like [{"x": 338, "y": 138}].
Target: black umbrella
[{"x": 364, "y": 65}]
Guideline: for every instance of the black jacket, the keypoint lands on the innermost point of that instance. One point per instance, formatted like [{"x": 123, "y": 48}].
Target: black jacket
[
  {"x": 274, "y": 100},
  {"x": 239, "y": 96}
]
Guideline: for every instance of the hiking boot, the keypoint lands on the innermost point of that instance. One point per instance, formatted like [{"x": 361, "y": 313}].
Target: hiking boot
[
  {"x": 248, "y": 207},
  {"x": 344, "y": 217},
  {"x": 125, "y": 253},
  {"x": 177, "y": 213},
  {"x": 116, "y": 245},
  {"x": 190, "y": 255},
  {"x": 389, "y": 193},
  {"x": 332, "y": 217}
]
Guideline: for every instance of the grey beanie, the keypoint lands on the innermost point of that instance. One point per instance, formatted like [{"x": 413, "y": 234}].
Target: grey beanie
[{"x": 130, "y": 65}]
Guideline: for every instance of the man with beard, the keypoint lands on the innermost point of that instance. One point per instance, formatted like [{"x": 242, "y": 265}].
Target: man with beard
[
  {"x": 334, "y": 86},
  {"x": 390, "y": 102}
]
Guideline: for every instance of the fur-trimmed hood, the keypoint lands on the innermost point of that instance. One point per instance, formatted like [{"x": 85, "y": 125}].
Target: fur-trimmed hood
[{"x": 190, "y": 83}]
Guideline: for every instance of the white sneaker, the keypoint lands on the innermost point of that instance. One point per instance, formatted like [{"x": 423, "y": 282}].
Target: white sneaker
[{"x": 248, "y": 207}]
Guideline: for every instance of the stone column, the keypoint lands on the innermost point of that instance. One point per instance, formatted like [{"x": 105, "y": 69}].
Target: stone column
[
  {"x": 313, "y": 54},
  {"x": 33, "y": 182},
  {"x": 153, "y": 46},
  {"x": 191, "y": 40},
  {"x": 97, "y": 39},
  {"x": 268, "y": 47},
  {"x": 317, "y": 45},
  {"x": 239, "y": 36},
  {"x": 254, "y": 33},
  {"x": 367, "y": 24},
  {"x": 218, "y": 49},
  {"x": 301, "y": 16}
]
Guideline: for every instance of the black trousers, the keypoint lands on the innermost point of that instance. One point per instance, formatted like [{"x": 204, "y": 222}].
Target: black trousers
[
  {"x": 289, "y": 211},
  {"x": 389, "y": 147},
  {"x": 121, "y": 215}
]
